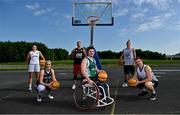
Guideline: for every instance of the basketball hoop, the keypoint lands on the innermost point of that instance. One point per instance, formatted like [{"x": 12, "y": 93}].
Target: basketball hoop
[{"x": 92, "y": 20}]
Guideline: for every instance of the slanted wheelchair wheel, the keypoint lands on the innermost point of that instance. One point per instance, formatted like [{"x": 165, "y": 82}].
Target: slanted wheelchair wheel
[{"x": 86, "y": 96}]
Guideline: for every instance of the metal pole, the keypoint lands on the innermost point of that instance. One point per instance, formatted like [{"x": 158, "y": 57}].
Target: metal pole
[{"x": 91, "y": 36}]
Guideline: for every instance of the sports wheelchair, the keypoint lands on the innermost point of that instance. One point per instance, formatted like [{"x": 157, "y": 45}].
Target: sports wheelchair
[{"x": 87, "y": 96}]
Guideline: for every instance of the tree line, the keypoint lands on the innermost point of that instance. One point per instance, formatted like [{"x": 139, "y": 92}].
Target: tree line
[
  {"x": 17, "y": 52},
  {"x": 140, "y": 53}
]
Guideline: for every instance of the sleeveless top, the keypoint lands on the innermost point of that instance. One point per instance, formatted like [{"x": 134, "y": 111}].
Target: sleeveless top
[
  {"x": 34, "y": 57},
  {"x": 91, "y": 67},
  {"x": 78, "y": 56},
  {"x": 128, "y": 56},
  {"x": 142, "y": 74},
  {"x": 47, "y": 76}
]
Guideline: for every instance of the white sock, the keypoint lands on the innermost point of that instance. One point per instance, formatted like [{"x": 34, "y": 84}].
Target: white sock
[
  {"x": 30, "y": 85},
  {"x": 143, "y": 89},
  {"x": 153, "y": 91}
]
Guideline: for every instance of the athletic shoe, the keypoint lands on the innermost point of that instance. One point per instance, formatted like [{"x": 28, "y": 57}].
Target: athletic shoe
[
  {"x": 153, "y": 96},
  {"x": 39, "y": 98},
  {"x": 143, "y": 93},
  {"x": 124, "y": 85},
  {"x": 108, "y": 100},
  {"x": 50, "y": 96},
  {"x": 74, "y": 87},
  {"x": 30, "y": 89}
]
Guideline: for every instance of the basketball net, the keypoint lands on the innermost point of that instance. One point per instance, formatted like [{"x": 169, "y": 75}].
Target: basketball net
[{"x": 92, "y": 21}]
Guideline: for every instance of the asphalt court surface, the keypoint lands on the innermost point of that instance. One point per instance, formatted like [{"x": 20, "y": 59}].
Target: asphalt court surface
[{"x": 14, "y": 97}]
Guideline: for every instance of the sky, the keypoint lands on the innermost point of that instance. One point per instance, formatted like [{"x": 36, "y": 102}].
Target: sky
[{"x": 150, "y": 25}]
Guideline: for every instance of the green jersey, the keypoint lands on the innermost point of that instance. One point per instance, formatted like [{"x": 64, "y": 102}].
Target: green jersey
[{"x": 91, "y": 67}]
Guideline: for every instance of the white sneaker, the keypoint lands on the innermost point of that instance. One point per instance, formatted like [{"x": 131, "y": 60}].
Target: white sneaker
[
  {"x": 39, "y": 99},
  {"x": 30, "y": 89},
  {"x": 50, "y": 96},
  {"x": 124, "y": 85},
  {"x": 74, "y": 86}
]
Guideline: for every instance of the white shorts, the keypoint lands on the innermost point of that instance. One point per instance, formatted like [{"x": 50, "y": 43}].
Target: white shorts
[{"x": 34, "y": 68}]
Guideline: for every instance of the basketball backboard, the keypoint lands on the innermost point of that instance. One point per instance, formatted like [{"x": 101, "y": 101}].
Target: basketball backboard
[{"x": 83, "y": 9}]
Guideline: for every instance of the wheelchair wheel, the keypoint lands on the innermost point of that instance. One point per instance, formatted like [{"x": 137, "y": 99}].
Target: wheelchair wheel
[{"x": 86, "y": 96}]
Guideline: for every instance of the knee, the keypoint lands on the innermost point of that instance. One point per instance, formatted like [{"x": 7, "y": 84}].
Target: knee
[
  {"x": 149, "y": 84},
  {"x": 40, "y": 88}
]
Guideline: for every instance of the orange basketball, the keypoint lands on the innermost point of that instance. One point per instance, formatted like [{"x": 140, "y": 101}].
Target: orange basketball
[
  {"x": 132, "y": 82},
  {"x": 56, "y": 85},
  {"x": 102, "y": 76},
  {"x": 42, "y": 62},
  {"x": 121, "y": 62}
]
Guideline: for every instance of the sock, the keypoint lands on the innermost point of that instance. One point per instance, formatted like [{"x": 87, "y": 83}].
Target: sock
[
  {"x": 30, "y": 85},
  {"x": 153, "y": 91},
  {"x": 143, "y": 89}
]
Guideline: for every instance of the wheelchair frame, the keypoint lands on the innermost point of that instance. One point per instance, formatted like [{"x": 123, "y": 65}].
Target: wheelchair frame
[{"x": 93, "y": 91}]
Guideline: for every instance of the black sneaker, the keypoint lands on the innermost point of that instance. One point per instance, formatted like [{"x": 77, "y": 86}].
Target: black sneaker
[
  {"x": 39, "y": 98},
  {"x": 153, "y": 96},
  {"x": 143, "y": 93}
]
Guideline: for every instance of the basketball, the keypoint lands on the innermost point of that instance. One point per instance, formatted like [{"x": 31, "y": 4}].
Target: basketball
[
  {"x": 102, "y": 76},
  {"x": 56, "y": 85},
  {"x": 132, "y": 82},
  {"x": 42, "y": 62},
  {"x": 121, "y": 62}
]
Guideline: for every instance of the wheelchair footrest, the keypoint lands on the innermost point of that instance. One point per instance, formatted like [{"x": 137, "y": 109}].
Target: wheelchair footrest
[{"x": 105, "y": 101}]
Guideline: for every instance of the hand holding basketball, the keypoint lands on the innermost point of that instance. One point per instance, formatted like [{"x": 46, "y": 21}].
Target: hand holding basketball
[
  {"x": 121, "y": 62},
  {"x": 102, "y": 75},
  {"x": 55, "y": 85},
  {"x": 132, "y": 82}
]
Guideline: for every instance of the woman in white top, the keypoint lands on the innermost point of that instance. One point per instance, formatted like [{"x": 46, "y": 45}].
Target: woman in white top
[
  {"x": 146, "y": 78},
  {"x": 34, "y": 67}
]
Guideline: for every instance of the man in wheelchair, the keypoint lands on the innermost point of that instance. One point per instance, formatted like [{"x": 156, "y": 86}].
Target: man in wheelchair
[{"x": 91, "y": 73}]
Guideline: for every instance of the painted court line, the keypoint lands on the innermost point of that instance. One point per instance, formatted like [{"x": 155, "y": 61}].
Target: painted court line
[
  {"x": 160, "y": 72},
  {"x": 10, "y": 95},
  {"x": 167, "y": 70},
  {"x": 62, "y": 73},
  {"x": 114, "y": 104}
]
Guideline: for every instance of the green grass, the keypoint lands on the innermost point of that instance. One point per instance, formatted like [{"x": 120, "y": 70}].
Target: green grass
[{"x": 69, "y": 64}]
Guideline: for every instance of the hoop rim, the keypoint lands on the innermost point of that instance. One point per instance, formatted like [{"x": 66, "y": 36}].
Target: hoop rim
[
  {"x": 92, "y": 20},
  {"x": 109, "y": 24}
]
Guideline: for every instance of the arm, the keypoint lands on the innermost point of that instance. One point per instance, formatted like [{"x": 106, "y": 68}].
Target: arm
[
  {"x": 122, "y": 55},
  {"x": 72, "y": 54},
  {"x": 134, "y": 53},
  {"x": 121, "y": 59},
  {"x": 53, "y": 75},
  {"x": 28, "y": 57},
  {"x": 84, "y": 70},
  {"x": 41, "y": 78},
  {"x": 42, "y": 57},
  {"x": 148, "y": 75},
  {"x": 84, "y": 53}
]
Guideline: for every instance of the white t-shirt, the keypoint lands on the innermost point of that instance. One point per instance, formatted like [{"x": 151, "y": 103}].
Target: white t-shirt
[
  {"x": 142, "y": 73},
  {"x": 34, "y": 57},
  {"x": 128, "y": 56}
]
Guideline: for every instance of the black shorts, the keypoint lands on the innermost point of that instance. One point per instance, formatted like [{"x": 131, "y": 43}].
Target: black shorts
[
  {"x": 142, "y": 85},
  {"x": 129, "y": 69}
]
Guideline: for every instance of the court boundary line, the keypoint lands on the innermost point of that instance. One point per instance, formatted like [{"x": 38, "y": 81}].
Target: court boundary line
[
  {"x": 10, "y": 95},
  {"x": 114, "y": 104},
  {"x": 167, "y": 70}
]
